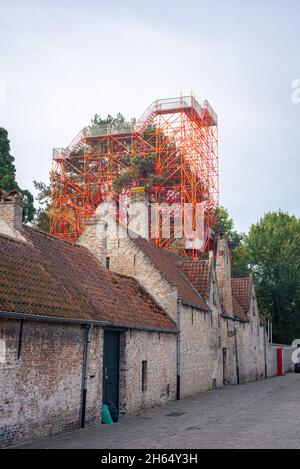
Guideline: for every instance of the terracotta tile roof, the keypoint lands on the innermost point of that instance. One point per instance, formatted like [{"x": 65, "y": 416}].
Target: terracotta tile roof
[
  {"x": 51, "y": 277},
  {"x": 238, "y": 310},
  {"x": 199, "y": 274},
  {"x": 241, "y": 291},
  {"x": 167, "y": 263}
]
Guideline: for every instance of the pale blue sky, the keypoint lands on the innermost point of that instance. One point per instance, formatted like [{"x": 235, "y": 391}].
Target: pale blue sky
[{"x": 64, "y": 61}]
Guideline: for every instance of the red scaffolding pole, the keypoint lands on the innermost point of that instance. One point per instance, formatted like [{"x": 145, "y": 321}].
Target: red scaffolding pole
[{"x": 178, "y": 135}]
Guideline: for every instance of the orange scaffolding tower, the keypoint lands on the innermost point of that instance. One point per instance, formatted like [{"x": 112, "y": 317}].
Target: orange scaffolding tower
[{"x": 179, "y": 135}]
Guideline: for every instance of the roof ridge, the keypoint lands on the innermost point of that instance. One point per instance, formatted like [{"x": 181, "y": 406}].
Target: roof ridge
[
  {"x": 161, "y": 248},
  {"x": 195, "y": 260},
  {"x": 49, "y": 235},
  {"x": 241, "y": 278},
  {"x": 16, "y": 240}
]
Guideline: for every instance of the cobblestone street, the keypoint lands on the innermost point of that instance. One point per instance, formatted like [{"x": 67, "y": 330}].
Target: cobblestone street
[{"x": 263, "y": 414}]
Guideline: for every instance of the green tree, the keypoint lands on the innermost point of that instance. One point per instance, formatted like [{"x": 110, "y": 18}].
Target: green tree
[
  {"x": 28, "y": 206},
  {"x": 273, "y": 253},
  {"x": 42, "y": 216},
  {"x": 7, "y": 166},
  {"x": 8, "y": 176},
  {"x": 225, "y": 226},
  {"x": 240, "y": 265},
  {"x": 118, "y": 122}
]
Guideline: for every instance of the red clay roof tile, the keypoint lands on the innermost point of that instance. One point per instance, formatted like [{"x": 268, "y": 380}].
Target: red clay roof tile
[
  {"x": 199, "y": 274},
  {"x": 241, "y": 291},
  {"x": 238, "y": 310},
  {"x": 51, "y": 277}
]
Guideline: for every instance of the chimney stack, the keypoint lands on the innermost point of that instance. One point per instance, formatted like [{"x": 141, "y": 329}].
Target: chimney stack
[
  {"x": 223, "y": 269},
  {"x": 94, "y": 238},
  {"x": 11, "y": 213},
  {"x": 138, "y": 212}
]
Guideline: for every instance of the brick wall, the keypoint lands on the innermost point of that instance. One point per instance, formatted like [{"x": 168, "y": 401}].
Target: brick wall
[
  {"x": 159, "y": 351},
  {"x": 200, "y": 357},
  {"x": 40, "y": 391},
  {"x": 203, "y": 336},
  {"x": 228, "y": 343},
  {"x": 201, "y": 342}
]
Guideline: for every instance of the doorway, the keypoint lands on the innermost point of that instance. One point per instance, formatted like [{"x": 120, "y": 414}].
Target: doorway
[{"x": 111, "y": 367}]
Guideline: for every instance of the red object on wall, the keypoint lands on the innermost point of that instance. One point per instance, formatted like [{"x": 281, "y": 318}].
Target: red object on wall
[{"x": 280, "y": 361}]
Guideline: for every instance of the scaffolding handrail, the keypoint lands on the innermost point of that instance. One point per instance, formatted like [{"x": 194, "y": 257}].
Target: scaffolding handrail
[{"x": 156, "y": 107}]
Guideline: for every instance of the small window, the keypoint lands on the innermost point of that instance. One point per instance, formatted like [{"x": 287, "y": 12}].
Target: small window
[
  {"x": 107, "y": 263},
  {"x": 215, "y": 298},
  {"x": 2, "y": 351},
  {"x": 134, "y": 259},
  {"x": 144, "y": 376}
]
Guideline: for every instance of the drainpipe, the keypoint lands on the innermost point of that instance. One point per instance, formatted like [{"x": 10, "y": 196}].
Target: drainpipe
[
  {"x": 85, "y": 369},
  {"x": 20, "y": 337},
  {"x": 236, "y": 355},
  {"x": 178, "y": 351},
  {"x": 265, "y": 349}
]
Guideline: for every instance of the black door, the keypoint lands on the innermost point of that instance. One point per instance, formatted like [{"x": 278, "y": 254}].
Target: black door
[{"x": 111, "y": 367}]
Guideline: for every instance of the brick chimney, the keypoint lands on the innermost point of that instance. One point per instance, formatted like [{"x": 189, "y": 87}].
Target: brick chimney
[
  {"x": 11, "y": 212},
  {"x": 94, "y": 238},
  {"x": 223, "y": 270},
  {"x": 101, "y": 231},
  {"x": 138, "y": 212}
]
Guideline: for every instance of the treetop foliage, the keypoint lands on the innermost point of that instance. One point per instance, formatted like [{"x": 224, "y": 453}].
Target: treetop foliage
[{"x": 8, "y": 176}]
